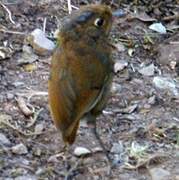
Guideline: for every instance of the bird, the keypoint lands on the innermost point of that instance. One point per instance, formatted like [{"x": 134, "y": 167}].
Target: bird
[{"x": 81, "y": 70}]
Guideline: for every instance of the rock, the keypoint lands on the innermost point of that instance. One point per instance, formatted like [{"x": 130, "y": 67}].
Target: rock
[
  {"x": 119, "y": 13},
  {"x": 4, "y": 140},
  {"x": 165, "y": 83},
  {"x": 148, "y": 70},
  {"x": 40, "y": 171},
  {"x": 158, "y": 27},
  {"x": 119, "y": 66},
  {"x": 40, "y": 43},
  {"x": 128, "y": 110},
  {"x": 37, "y": 151},
  {"x": 26, "y": 177},
  {"x": 4, "y": 117},
  {"x": 18, "y": 83},
  {"x": 5, "y": 52},
  {"x": 159, "y": 174},
  {"x": 27, "y": 56},
  {"x": 97, "y": 149},
  {"x": 81, "y": 151},
  {"x": 39, "y": 128},
  {"x": 117, "y": 148},
  {"x": 152, "y": 100},
  {"x": 131, "y": 52},
  {"x": 168, "y": 54},
  {"x": 10, "y": 96},
  {"x": 19, "y": 149},
  {"x": 23, "y": 161},
  {"x": 120, "y": 47},
  {"x": 116, "y": 88}
]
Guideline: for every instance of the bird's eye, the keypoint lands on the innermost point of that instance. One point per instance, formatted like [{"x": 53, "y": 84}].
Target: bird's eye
[{"x": 98, "y": 22}]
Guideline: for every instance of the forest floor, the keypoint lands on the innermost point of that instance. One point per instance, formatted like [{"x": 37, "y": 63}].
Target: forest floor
[{"x": 140, "y": 125}]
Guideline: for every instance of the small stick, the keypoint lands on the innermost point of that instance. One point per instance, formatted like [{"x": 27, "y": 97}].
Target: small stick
[
  {"x": 23, "y": 107},
  {"x": 169, "y": 18},
  {"x": 75, "y": 167},
  {"x": 74, "y": 7},
  {"x": 174, "y": 42},
  {"x": 12, "y": 32},
  {"x": 44, "y": 24},
  {"x": 9, "y": 13},
  {"x": 69, "y": 6},
  {"x": 34, "y": 119}
]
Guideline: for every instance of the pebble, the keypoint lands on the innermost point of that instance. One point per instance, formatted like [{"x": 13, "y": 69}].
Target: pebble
[
  {"x": 81, "y": 151},
  {"x": 159, "y": 174},
  {"x": 152, "y": 100},
  {"x": 39, "y": 128},
  {"x": 119, "y": 13},
  {"x": 120, "y": 47},
  {"x": 148, "y": 70},
  {"x": 120, "y": 65},
  {"x": 166, "y": 84},
  {"x": 40, "y": 43},
  {"x": 19, "y": 149},
  {"x": 117, "y": 148},
  {"x": 116, "y": 88},
  {"x": 4, "y": 140},
  {"x": 18, "y": 83},
  {"x": 158, "y": 27},
  {"x": 10, "y": 96},
  {"x": 27, "y": 56}
]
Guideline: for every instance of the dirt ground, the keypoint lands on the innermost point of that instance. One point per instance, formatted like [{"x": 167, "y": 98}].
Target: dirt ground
[{"x": 139, "y": 127}]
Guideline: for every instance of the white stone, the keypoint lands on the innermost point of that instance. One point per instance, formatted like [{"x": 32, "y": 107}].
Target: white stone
[
  {"x": 117, "y": 148},
  {"x": 158, "y": 27},
  {"x": 4, "y": 140},
  {"x": 19, "y": 149},
  {"x": 41, "y": 40},
  {"x": 148, "y": 70},
  {"x": 81, "y": 151},
  {"x": 166, "y": 84},
  {"x": 120, "y": 65},
  {"x": 159, "y": 174}
]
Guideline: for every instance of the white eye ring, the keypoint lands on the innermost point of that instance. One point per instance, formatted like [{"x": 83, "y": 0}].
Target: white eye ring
[{"x": 99, "y": 22}]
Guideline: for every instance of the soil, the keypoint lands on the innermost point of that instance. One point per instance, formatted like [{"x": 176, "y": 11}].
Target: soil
[{"x": 140, "y": 119}]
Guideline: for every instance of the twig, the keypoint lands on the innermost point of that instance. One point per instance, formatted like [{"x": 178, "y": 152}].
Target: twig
[
  {"x": 69, "y": 6},
  {"x": 75, "y": 167},
  {"x": 169, "y": 18},
  {"x": 9, "y": 13},
  {"x": 7, "y": 123},
  {"x": 37, "y": 93},
  {"x": 31, "y": 93},
  {"x": 44, "y": 24},
  {"x": 158, "y": 157},
  {"x": 12, "y": 32},
  {"x": 23, "y": 107},
  {"x": 74, "y": 7},
  {"x": 174, "y": 42},
  {"x": 34, "y": 119}
]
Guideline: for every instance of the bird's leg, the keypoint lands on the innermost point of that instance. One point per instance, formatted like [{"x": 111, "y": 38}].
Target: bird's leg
[
  {"x": 92, "y": 124},
  {"x": 74, "y": 168},
  {"x": 94, "y": 131},
  {"x": 91, "y": 121}
]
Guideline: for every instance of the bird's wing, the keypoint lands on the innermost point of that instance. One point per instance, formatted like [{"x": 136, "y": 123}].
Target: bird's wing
[{"x": 68, "y": 103}]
